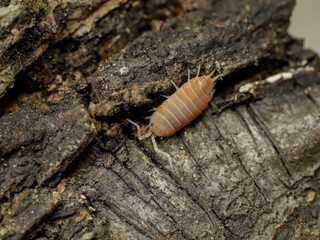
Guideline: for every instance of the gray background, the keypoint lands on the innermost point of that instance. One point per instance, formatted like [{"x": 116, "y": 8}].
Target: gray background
[{"x": 305, "y": 23}]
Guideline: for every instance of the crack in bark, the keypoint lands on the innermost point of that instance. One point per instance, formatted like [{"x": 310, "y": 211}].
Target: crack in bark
[
  {"x": 212, "y": 208},
  {"x": 239, "y": 158},
  {"x": 310, "y": 97},
  {"x": 132, "y": 190},
  {"x": 184, "y": 189},
  {"x": 193, "y": 157},
  {"x": 248, "y": 128},
  {"x": 254, "y": 181},
  {"x": 207, "y": 213},
  {"x": 170, "y": 218},
  {"x": 149, "y": 156},
  {"x": 255, "y": 117},
  {"x": 113, "y": 208}
]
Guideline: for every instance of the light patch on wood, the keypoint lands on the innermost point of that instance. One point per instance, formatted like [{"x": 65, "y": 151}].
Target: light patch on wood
[
  {"x": 310, "y": 196},
  {"x": 279, "y": 76},
  {"x": 104, "y": 9},
  {"x": 249, "y": 87}
]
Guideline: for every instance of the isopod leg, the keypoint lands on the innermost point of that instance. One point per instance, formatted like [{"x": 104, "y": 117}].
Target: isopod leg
[
  {"x": 175, "y": 85},
  {"x": 188, "y": 74},
  {"x": 140, "y": 137},
  {"x": 213, "y": 91},
  {"x": 211, "y": 74},
  {"x": 161, "y": 152},
  {"x": 198, "y": 71},
  {"x": 152, "y": 110}
]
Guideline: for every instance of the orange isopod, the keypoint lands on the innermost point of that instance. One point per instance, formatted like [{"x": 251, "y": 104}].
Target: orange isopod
[{"x": 179, "y": 109}]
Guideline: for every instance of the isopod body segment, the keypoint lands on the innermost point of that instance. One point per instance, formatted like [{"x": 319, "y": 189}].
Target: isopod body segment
[
  {"x": 182, "y": 107},
  {"x": 179, "y": 109}
]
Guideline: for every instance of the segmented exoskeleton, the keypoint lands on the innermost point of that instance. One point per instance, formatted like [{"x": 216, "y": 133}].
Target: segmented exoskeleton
[{"x": 180, "y": 109}]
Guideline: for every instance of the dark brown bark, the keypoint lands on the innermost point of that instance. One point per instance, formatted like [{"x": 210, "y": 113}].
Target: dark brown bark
[{"x": 71, "y": 167}]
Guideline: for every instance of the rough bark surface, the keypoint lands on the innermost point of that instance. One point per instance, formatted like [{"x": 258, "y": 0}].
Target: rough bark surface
[{"x": 71, "y": 167}]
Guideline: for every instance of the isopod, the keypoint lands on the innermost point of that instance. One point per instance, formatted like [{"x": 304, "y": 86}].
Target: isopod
[{"x": 182, "y": 107}]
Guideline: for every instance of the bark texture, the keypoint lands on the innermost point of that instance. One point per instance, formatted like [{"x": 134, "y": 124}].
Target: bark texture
[{"x": 71, "y": 167}]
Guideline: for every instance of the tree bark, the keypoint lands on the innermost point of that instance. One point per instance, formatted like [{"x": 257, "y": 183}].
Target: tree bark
[{"x": 71, "y": 167}]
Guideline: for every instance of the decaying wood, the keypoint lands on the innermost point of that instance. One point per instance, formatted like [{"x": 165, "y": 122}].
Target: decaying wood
[{"x": 72, "y": 168}]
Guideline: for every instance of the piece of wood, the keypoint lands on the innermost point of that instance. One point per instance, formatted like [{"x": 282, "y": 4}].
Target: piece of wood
[
  {"x": 72, "y": 168},
  {"x": 90, "y": 29}
]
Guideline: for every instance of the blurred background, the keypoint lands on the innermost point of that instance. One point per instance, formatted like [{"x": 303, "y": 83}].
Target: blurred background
[{"x": 305, "y": 23}]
